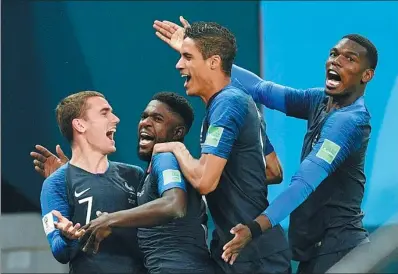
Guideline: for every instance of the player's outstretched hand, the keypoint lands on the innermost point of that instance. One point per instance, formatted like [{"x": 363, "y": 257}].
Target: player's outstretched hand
[
  {"x": 232, "y": 249},
  {"x": 66, "y": 227},
  {"x": 97, "y": 230},
  {"x": 171, "y": 33},
  {"x": 46, "y": 162}
]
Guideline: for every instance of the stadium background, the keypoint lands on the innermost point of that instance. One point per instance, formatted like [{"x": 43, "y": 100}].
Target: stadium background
[{"x": 52, "y": 49}]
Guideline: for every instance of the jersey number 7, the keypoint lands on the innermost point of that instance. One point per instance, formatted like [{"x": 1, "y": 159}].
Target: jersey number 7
[{"x": 89, "y": 201}]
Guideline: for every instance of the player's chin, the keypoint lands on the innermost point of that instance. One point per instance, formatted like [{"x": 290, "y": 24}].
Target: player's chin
[
  {"x": 111, "y": 149},
  {"x": 191, "y": 92},
  {"x": 144, "y": 154},
  {"x": 334, "y": 91}
]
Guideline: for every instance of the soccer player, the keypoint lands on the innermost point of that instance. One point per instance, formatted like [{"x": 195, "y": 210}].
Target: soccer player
[
  {"x": 87, "y": 184},
  {"x": 325, "y": 195},
  {"x": 170, "y": 212},
  {"x": 173, "y": 35},
  {"x": 231, "y": 169}
]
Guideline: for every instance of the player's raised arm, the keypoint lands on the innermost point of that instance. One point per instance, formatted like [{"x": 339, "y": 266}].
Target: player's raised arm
[
  {"x": 54, "y": 197},
  {"x": 341, "y": 135},
  {"x": 292, "y": 102}
]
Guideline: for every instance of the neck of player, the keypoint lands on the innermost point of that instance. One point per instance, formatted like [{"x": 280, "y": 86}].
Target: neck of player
[
  {"x": 341, "y": 101},
  {"x": 214, "y": 86},
  {"x": 89, "y": 159}
]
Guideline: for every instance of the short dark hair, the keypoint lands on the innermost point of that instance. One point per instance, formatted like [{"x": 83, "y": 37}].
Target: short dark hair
[
  {"x": 177, "y": 104},
  {"x": 72, "y": 107},
  {"x": 371, "y": 51},
  {"x": 214, "y": 39}
]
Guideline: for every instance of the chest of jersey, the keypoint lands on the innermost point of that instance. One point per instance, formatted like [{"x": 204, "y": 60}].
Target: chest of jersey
[
  {"x": 91, "y": 193},
  {"x": 148, "y": 190}
]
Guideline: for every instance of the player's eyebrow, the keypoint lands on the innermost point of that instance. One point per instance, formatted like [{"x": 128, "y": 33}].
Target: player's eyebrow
[
  {"x": 186, "y": 54},
  {"x": 106, "y": 109}
]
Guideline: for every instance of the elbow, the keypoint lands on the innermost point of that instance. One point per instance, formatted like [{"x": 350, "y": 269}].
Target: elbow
[
  {"x": 277, "y": 179},
  {"x": 177, "y": 209},
  {"x": 205, "y": 186},
  {"x": 61, "y": 257}
]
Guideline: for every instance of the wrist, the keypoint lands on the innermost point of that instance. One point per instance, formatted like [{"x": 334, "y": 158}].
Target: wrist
[
  {"x": 264, "y": 222},
  {"x": 255, "y": 229}
]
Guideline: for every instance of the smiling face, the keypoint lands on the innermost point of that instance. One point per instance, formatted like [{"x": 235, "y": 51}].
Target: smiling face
[
  {"x": 97, "y": 125},
  {"x": 157, "y": 125},
  {"x": 347, "y": 69}
]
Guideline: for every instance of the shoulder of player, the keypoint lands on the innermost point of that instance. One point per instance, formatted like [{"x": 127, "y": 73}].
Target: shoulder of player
[
  {"x": 57, "y": 177},
  {"x": 354, "y": 117},
  {"x": 124, "y": 168},
  {"x": 164, "y": 160},
  {"x": 231, "y": 97}
]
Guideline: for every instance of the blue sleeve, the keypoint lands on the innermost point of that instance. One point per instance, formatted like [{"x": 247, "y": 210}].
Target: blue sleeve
[
  {"x": 341, "y": 135},
  {"x": 54, "y": 197},
  {"x": 167, "y": 171},
  {"x": 226, "y": 116},
  {"x": 293, "y": 102}
]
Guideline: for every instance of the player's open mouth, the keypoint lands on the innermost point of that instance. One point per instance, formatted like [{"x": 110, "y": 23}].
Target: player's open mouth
[
  {"x": 333, "y": 79},
  {"x": 111, "y": 133},
  {"x": 187, "y": 78},
  {"x": 145, "y": 139}
]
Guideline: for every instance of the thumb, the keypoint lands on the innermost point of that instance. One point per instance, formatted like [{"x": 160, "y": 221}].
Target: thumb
[
  {"x": 57, "y": 214},
  {"x": 184, "y": 22},
  {"x": 236, "y": 229},
  {"x": 61, "y": 154}
]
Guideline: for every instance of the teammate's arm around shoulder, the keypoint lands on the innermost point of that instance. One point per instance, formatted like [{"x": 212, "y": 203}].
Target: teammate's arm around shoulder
[
  {"x": 54, "y": 198},
  {"x": 226, "y": 116}
]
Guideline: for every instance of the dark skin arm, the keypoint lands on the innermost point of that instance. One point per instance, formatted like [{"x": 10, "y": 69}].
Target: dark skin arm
[
  {"x": 172, "y": 205},
  {"x": 273, "y": 170}
]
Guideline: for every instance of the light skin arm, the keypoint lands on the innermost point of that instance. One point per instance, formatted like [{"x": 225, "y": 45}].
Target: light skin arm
[{"x": 203, "y": 174}]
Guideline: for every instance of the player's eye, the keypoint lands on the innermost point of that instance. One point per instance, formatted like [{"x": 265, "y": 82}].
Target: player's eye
[{"x": 332, "y": 54}]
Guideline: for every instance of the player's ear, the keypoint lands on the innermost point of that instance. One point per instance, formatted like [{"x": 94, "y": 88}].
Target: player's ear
[
  {"x": 215, "y": 61},
  {"x": 78, "y": 125},
  {"x": 179, "y": 133},
  {"x": 367, "y": 75}
]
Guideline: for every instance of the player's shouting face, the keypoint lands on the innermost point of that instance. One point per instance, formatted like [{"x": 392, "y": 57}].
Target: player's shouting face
[
  {"x": 347, "y": 68},
  {"x": 158, "y": 124},
  {"x": 194, "y": 68}
]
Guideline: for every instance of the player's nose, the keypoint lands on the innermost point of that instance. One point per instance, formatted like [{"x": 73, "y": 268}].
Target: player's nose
[
  {"x": 180, "y": 64},
  {"x": 115, "y": 119}
]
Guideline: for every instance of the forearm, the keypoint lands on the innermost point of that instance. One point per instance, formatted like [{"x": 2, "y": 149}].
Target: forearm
[
  {"x": 306, "y": 180},
  {"x": 156, "y": 212},
  {"x": 190, "y": 167},
  {"x": 62, "y": 249}
]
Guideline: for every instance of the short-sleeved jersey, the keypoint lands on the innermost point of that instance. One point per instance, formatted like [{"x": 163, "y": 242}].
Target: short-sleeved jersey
[
  {"x": 331, "y": 218},
  {"x": 178, "y": 246},
  {"x": 232, "y": 130},
  {"x": 78, "y": 195}
]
